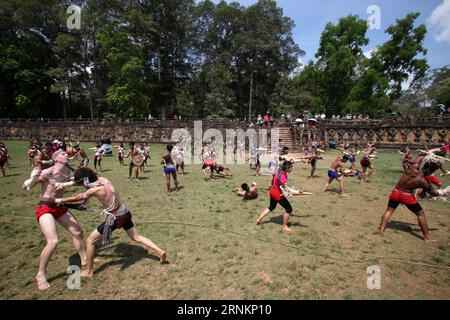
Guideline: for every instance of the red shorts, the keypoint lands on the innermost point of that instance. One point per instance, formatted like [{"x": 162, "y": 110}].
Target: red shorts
[
  {"x": 275, "y": 194},
  {"x": 56, "y": 212},
  {"x": 402, "y": 197},
  {"x": 2, "y": 161},
  {"x": 365, "y": 163},
  {"x": 432, "y": 179}
]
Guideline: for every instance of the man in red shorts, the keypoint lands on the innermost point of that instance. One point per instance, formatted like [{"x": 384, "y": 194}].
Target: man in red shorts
[
  {"x": 403, "y": 194},
  {"x": 48, "y": 213},
  {"x": 366, "y": 164}
]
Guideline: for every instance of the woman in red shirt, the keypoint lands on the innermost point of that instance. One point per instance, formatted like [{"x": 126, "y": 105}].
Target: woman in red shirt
[{"x": 276, "y": 195}]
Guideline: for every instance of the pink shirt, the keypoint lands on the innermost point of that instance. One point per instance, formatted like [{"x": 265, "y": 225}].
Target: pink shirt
[
  {"x": 266, "y": 118},
  {"x": 283, "y": 180}
]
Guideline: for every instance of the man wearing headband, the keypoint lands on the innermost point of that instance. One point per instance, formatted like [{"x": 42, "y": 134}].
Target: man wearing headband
[
  {"x": 335, "y": 172},
  {"x": 403, "y": 193},
  {"x": 48, "y": 213},
  {"x": 117, "y": 215}
]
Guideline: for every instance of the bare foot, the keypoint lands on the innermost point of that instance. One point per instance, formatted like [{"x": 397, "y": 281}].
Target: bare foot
[
  {"x": 287, "y": 229},
  {"x": 42, "y": 283},
  {"x": 429, "y": 240},
  {"x": 162, "y": 258},
  {"x": 258, "y": 221},
  {"x": 86, "y": 274},
  {"x": 343, "y": 195}
]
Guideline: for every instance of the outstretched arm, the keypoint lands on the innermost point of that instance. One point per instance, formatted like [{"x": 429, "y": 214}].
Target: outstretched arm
[{"x": 94, "y": 192}]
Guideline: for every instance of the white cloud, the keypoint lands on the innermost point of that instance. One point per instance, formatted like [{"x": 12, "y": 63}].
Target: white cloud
[{"x": 440, "y": 18}]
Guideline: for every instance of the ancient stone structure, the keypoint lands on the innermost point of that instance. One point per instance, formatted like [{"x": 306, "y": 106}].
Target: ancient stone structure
[{"x": 384, "y": 133}]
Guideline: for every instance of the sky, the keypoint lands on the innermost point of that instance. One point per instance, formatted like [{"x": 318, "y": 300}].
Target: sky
[{"x": 311, "y": 16}]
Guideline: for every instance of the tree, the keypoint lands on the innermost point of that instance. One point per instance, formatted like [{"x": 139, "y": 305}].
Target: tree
[
  {"x": 338, "y": 54},
  {"x": 397, "y": 57}
]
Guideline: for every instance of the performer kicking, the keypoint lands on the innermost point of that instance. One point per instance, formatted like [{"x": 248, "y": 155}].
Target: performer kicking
[
  {"x": 169, "y": 168},
  {"x": 117, "y": 215},
  {"x": 278, "y": 190},
  {"x": 247, "y": 192},
  {"x": 47, "y": 213},
  {"x": 335, "y": 172},
  {"x": 403, "y": 194}
]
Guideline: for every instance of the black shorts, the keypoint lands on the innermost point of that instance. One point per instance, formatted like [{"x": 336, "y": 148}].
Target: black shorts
[
  {"x": 124, "y": 222},
  {"x": 415, "y": 208},
  {"x": 283, "y": 202}
]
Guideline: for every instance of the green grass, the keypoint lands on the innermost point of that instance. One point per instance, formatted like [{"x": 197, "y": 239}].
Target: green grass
[{"x": 215, "y": 249}]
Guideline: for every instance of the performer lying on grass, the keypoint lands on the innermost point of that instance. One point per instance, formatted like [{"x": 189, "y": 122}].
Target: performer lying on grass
[
  {"x": 403, "y": 194},
  {"x": 117, "y": 215},
  {"x": 247, "y": 192}
]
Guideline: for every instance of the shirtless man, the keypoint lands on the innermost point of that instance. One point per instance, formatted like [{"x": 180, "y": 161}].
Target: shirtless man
[
  {"x": 407, "y": 157},
  {"x": 84, "y": 157},
  {"x": 403, "y": 194},
  {"x": 98, "y": 155},
  {"x": 117, "y": 215},
  {"x": 43, "y": 161},
  {"x": 247, "y": 192},
  {"x": 48, "y": 213},
  {"x": 367, "y": 164},
  {"x": 335, "y": 172},
  {"x": 136, "y": 160},
  {"x": 221, "y": 170},
  {"x": 169, "y": 168}
]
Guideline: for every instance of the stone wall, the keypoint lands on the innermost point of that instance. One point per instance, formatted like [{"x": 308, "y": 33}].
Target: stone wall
[{"x": 391, "y": 132}]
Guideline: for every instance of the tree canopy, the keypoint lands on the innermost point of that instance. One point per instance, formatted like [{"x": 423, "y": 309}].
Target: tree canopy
[{"x": 196, "y": 59}]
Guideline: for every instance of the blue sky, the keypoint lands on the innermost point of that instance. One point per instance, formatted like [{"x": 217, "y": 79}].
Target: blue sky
[{"x": 310, "y": 17}]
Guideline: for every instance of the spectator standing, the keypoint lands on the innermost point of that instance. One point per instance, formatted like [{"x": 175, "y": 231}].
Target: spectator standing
[{"x": 266, "y": 120}]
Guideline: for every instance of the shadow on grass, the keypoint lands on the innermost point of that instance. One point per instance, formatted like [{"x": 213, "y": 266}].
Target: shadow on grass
[
  {"x": 279, "y": 220},
  {"x": 129, "y": 255},
  {"x": 12, "y": 175},
  {"x": 407, "y": 227}
]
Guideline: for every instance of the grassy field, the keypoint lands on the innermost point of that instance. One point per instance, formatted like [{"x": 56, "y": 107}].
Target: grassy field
[{"x": 216, "y": 251}]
